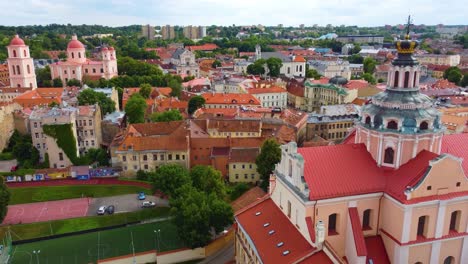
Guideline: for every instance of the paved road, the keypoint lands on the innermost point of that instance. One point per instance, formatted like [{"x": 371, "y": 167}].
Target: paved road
[
  {"x": 221, "y": 257},
  {"x": 123, "y": 203}
]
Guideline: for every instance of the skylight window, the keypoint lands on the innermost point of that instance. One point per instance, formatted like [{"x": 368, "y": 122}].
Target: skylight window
[
  {"x": 258, "y": 213},
  {"x": 271, "y": 232},
  {"x": 280, "y": 244},
  {"x": 285, "y": 252},
  {"x": 266, "y": 224}
]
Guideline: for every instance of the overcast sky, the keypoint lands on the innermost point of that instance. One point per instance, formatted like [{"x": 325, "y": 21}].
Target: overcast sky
[{"x": 228, "y": 12}]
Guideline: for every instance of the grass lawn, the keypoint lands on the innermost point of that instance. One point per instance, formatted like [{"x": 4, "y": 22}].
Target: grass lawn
[
  {"x": 42, "y": 229},
  {"x": 50, "y": 193},
  {"x": 105, "y": 244}
]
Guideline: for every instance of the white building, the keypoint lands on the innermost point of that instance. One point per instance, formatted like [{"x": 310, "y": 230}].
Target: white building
[
  {"x": 293, "y": 66},
  {"x": 272, "y": 96},
  {"x": 331, "y": 69}
]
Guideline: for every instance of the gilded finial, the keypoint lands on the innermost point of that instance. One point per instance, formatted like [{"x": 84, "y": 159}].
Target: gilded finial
[{"x": 408, "y": 24}]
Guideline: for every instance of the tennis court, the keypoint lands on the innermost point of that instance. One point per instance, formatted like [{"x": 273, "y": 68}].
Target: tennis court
[{"x": 87, "y": 248}]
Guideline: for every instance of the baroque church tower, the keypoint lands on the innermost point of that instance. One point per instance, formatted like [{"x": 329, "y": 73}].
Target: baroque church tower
[
  {"x": 20, "y": 65},
  {"x": 400, "y": 122}
]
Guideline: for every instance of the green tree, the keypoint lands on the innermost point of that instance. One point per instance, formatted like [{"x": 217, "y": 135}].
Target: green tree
[
  {"x": 312, "y": 73},
  {"x": 453, "y": 74},
  {"x": 221, "y": 214},
  {"x": 208, "y": 180},
  {"x": 216, "y": 64},
  {"x": 73, "y": 82},
  {"x": 176, "y": 87},
  {"x": 356, "y": 49},
  {"x": 356, "y": 58},
  {"x": 238, "y": 189},
  {"x": 26, "y": 154},
  {"x": 99, "y": 156},
  {"x": 195, "y": 103},
  {"x": 57, "y": 82},
  {"x": 62, "y": 55},
  {"x": 257, "y": 68},
  {"x": 91, "y": 97},
  {"x": 369, "y": 65},
  {"x": 43, "y": 77},
  {"x": 270, "y": 155},
  {"x": 464, "y": 81},
  {"x": 135, "y": 109},
  {"x": 369, "y": 78},
  {"x": 166, "y": 116},
  {"x": 145, "y": 90},
  {"x": 274, "y": 66},
  {"x": 4, "y": 200},
  {"x": 169, "y": 177}
]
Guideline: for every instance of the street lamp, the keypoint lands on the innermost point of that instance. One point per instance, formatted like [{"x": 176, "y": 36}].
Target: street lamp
[
  {"x": 36, "y": 252},
  {"x": 157, "y": 233}
]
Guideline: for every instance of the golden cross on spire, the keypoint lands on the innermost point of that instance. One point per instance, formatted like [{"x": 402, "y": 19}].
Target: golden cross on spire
[{"x": 408, "y": 27}]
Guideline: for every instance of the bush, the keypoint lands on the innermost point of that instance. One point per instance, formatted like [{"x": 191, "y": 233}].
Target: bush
[
  {"x": 238, "y": 189},
  {"x": 6, "y": 156}
]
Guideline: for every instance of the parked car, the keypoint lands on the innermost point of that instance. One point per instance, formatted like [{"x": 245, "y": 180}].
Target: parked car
[
  {"x": 147, "y": 204},
  {"x": 110, "y": 209},
  {"x": 141, "y": 196},
  {"x": 101, "y": 210}
]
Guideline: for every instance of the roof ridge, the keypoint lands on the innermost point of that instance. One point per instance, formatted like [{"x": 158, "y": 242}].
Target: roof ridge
[{"x": 262, "y": 199}]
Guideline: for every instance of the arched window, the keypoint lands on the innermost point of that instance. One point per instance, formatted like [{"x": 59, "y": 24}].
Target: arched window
[
  {"x": 406, "y": 80},
  {"x": 455, "y": 221},
  {"x": 396, "y": 79},
  {"x": 300, "y": 68},
  {"x": 419, "y": 262},
  {"x": 368, "y": 120},
  {"x": 19, "y": 85},
  {"x": 24, "y": 52},
  {"x": 424, "y": 125},
  {"x": 73, "y": 55},
  {"x": 389, "y": 153},
  {"x": 332, "y": 224},
  {"x": 30, "y": 85},
  {"x": 415, "y": 78},
  {"x": 422, "y": 226},
  {"x": 18, "y": 69},
  {"x": 449, "y": 260},
  {"x": 14, "y": 53},
  {"x": 79, "y": 55},
  {"x": 366, "y": 219},
  {"x": 392, "y": 125},
  {"x": 28, "y": 69},
  {"x": 13, "y": 68}
]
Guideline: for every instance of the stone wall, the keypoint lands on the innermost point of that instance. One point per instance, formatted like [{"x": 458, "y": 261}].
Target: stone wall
[{"x": 7, "y": 123}]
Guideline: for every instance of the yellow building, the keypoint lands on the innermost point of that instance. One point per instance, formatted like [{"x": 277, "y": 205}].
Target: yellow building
[
  {"x": 316, "y": 95},
  {"x": 242, "y": 167},
  {"x": 88, "y": 127}
]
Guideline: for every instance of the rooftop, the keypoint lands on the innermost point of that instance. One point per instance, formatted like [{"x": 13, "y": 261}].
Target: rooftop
[{"x": 230, "y": 98}]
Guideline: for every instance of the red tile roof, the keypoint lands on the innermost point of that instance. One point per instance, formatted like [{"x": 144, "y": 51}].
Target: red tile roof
[
  {"x": 456, "y": 145},
  {"x": 356, "y": 84},
  {"x": 317, "y": 258},
  {"x": 272, "y": 89},
  {"x": 247, "y": 198},
  {"x": 230, "y": 98},
  {"x": 299, "y": 59},
  {"x": 357, "y": 232},
  {"x": 204, "y": 47},
  {"x": 376, "y": 250},
  {"x": 284, "y": 231}
]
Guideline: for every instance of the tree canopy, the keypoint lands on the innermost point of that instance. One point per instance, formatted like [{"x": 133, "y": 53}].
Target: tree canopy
[
  {"x": 91, "y": 97},
  {"x": 170, "y": 177},
  {"x": 166, "y": 116},
  {"x": 195, "y": 103},
  {"x": 274, "y": 66},
  {"x": 73, "y": 82},
  {"x": 453, "y": 74},
  {"x": 270, "y": 155},
  {"x": 369, "y": 65},
  {"x": 135, "y": 109},
  {"x": 145, "y": 90},
  {"x": 4, "y": 200},
  {"x": 257, "y": 68},
  {"x": 208, "y": 180}
]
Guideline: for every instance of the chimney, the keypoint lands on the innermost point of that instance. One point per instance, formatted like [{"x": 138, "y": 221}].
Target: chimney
[{"x": 319, "y": 234}]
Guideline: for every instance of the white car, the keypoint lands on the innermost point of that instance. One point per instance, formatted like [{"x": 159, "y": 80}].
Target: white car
[
  {"x": 101, "y": 210},
  {"x": 148, "y": 204}
]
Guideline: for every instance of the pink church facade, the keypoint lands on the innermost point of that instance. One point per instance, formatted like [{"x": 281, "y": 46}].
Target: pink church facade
[
  {"x": 20, "y": 65},
  {"x": 77, "y": 66}
]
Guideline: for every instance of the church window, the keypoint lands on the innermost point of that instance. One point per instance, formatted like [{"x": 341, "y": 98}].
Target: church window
[
  {"x": 389, "y": 153},
  {"x": 366, "y": 219},
  {"x": 14, "y": 71},
  {"x": 73, "y": 55},
  {"x": 28, "y": 68},
  {"x": 424, "y": 125},
  {"x": 392, "y": 125},
  {"x": 14, "y": 53},
  {"x": 332, "y": 224},
  {"x": 24, "y": 52},
  {"x": 406, "y": 85},
  {"x": 449, "y": 260},
  {"x": 455, "y": 221},
  {"x": 94, "y": 70},
  {"x": 422, "y": 225},
  {"x": 415, "y": 78},
  {"x": 30, "y": 85},
  {"x": 396, "y": 79},
  {"x": 102, "y": 70},
  {"x": 79, "y": 55},
  {"x": 86, "y": 70},
  {"x": 18, "y": 69},
  {"x": 300, "y": 68}
]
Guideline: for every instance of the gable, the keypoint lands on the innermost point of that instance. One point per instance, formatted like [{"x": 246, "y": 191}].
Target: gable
[{"x": 444, "y": 175}]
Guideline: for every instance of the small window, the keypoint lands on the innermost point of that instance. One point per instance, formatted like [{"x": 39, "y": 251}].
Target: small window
[
  {"x": 169, "y": 157},
  {"x": 332, "y": 224},
  {"x": 392, "y": 125},
  {"x": 155, "y": 157},
  {"x": 422, "y": 226},
  {"x": 14, "y": 53},
  {"x": 366, "y": 219},
  {"x": 423, "y": 126},
  {"x": 134, "y": 157},
  {"x": 60, "y": 156},
  {"x": 458, "y": 184},
  {"x": 145, "y": 157},
  {"x": 177, "y": 157},
  {"x": 429, "y": 188},
  {"x": 449, "y": 260},
  {"x": 388, "y": 158},
  {"x": 455, "y": 221},
  {"x": 124, "y": 158}
]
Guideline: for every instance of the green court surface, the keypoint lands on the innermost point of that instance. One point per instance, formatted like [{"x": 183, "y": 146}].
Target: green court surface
[{"x": 87, "y": 248}]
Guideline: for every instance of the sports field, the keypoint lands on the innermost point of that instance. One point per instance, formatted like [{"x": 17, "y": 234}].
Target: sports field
[{"x": 88, "y": 248}]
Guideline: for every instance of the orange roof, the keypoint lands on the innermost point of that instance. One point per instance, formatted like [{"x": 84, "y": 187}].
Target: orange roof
[
  {"x": 230, "y": 98},
  {"x": 299, "y": 59},
  {"x": 247, "y": 198},
  {"x": 356, "y": 84},
  {"x": 40, "y": 96},
  {"x": 215, "y": 112},
  {"x": 272, "y": 89},
  {"x": 207, "y": 47},
  {"x": 359, "y": 101},
  {"x": 171, "y": 103}
]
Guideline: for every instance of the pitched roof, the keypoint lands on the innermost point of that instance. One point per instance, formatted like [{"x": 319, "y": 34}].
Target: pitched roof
[
  {"x": 231, "y": 125},
  {"x": 206, "y": 46},
  {"x": 243, "y": 154},
  {"x": 456, "y": 145},
  {"x": 376, "y": 250},
  {"x": 230, "y": 98},
  {"x": 272, "y": 89},
  {"x": 247, "y": 198},
  {"x": 359, "y": 242},
  {"x": 284, "y": 231}
]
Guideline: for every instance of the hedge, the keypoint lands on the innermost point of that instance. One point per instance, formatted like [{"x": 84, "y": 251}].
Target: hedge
[{"x": 65, "y": 139}]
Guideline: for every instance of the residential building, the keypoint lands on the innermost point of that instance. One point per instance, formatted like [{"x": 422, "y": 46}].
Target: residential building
[
  {"x": 168, "y": 32},
  {"x": 40, "y": 97},
  {"x": 381, "y": 72},
  {"x": 332, "y": 122},
  {"x": 439, "y": 59},
  {"x": 4, "y": 76},
  {"x": 270, "y": 95},
  {"x": 46, "y": 144},
  {"x": 20, "y": 64},
  {"x": 361, "y": 39},
  {"x": 455, "y": 119},
  {"x": 8, "y": 94},
  {"x": 347, "y": 49},
  {"x": 437, "y": 71},
  {"x": 77, "y": 66},
  {"x": 148, "y": 32},
  {"x": 230, "y": 100},
  {"x": 194, "y": 32},
  {"x": 242, "y": 167},
  {"x": 240, "y": 67},
  {"x": 450, "y": 32},
  {"x": 356, "y": 69},
  {"x": 316, "y": 94},
  {"x": 88, "y": 127},
  {"x": 293, "y": 66},
  {"x": 185, "y": 64},
  {"x": 396, "y": 192},
  {"x": 331, "y": 69},
  {"x": 149, "y": 145}
]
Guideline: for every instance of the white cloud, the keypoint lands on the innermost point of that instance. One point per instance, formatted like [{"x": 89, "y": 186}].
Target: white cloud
[{"x": 239, "y": 12}]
